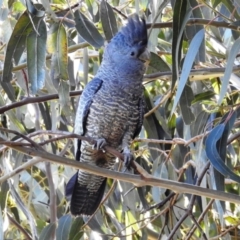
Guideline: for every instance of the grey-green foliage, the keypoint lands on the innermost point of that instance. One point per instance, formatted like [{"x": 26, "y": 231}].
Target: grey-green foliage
[{"x": 201, "y": 93}]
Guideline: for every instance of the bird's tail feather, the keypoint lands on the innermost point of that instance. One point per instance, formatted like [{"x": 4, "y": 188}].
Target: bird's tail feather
[{"x": 84, "y": 201}]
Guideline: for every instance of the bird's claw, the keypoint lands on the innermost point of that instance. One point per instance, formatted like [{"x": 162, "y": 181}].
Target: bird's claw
[
  {"x": 100, "y": 144},
  {"x": 127, "y": 158}
]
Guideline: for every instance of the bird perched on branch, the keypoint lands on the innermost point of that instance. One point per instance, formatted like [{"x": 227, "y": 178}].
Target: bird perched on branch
[{"x": 110, "y": 111}]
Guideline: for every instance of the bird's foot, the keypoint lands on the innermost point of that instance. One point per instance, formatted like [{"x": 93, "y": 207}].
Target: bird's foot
[
  {"x": 128, "y": 157},
  {"x": 100, "y": 144}
]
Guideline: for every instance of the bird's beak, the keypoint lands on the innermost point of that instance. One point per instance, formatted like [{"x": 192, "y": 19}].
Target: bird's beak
[{"x": 145, "y": 56}]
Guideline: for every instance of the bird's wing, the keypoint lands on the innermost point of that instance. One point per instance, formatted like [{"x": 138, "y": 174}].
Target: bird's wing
[
  {"x": 141, "y": 107},
  {"x": 83, "y": 109}
]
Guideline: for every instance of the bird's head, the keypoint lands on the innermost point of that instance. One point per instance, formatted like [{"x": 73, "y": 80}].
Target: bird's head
[{"x": 128, "y": 48}]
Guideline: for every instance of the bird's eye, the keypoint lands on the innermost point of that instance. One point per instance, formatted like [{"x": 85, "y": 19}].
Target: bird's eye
[{"x": 132, "y": 53}]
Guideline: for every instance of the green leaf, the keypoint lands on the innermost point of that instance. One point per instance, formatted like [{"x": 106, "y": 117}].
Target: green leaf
[
  {"x": 230, "y": 6},
  {"x": 63, "y": 228},
  {"x": 33, "y": 10},
  {"x": 216, "y": 2},
  {"x": 18, "y": 7},
  {"x": 76, "y": 229},
  {"x": 191, "y": 31},
  {"x": 96, "y": 224},
  {"x": 179, "y": 22},
  {"x": 87, "y": 30},
  {"x": 187, "y": 65},
  {"x": 225, "y": 80},
  {"x": 63, "y": 93},
  {"x": 213, "y": 153},
  {"x": 3, "y": 194},
  {"x": 57, "y": 45},
  {"x": 1, "y": 225},
  {"x": 157, "y": 63},
  {"x": 152, "y": 127},
  {"x": 36, "y": 50},
  {"x": 9, "y": 90},
  {"x": 41, "y": 224},
  {"x": 197, "y": 127},
  {"x": 48, "y": 232},
  {"x": 232, "y": 220},
  {"x": 15, "y": 212},
  {"x": 203, "y": 96},
  {"x": 108, "y": 19},
  {"x": 132, "y": 222},
  {"x": 229, "y": 119},
  {"x": 185, "y": 105},
  {"x": 64, "y": 99},
  {"x": 14, "y": 121},
  {"x": 16, "y": 44},
  {"x": 78, "y": 236},
  {"x": 159, "y": 170}
]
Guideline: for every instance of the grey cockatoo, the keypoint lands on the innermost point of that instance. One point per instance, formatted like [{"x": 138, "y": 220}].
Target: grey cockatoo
[{"x": 110, "y": 111}]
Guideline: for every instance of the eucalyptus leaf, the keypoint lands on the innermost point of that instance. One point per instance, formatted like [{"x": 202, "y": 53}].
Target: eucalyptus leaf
[
  {"x": 57, "y": 45},
  {"x": 108, "y": 20},
  {"x": 192, "y": 30},
  {"x": 3, "y": 195},
  {"x": 87, "y": 30},
  {"x": 231, "y": 58},
  {"x": 179, "y": 13},
  {"x": 76, "y": 228},
  {"x": 63, "y": 228},
  {"x": 48, "y": 232},
  {"x": 187, "y": 66},
  {"x": 185, "y": 105},
  {"x": 16, "y": 44},
  {"x": 213, "y": 153},
  {"x": 36, "y": 53},
  {"x": 157, "y": 64},
  {"x": 33, "y": 10},
  {"x": 9, "y": 90}
]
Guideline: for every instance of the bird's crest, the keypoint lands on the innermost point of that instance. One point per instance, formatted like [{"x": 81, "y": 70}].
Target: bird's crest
[{"x": 135, "y": 32}]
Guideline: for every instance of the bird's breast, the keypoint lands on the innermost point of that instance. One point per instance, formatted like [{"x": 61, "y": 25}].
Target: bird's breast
[{"x": 112, "y": 113}]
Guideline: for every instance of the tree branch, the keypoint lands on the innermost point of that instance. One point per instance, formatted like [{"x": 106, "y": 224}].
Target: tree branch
[
  {"x": 197, "y": 21},
  {"x": 29, "y": 100},
  {"x": 195, "y": 74},
  {"x": 143, "y": 180},
  {"x": 71, "y": 49}
]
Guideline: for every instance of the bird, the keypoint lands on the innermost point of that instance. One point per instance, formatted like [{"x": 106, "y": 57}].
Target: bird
[{"x": 110, "y": 111}]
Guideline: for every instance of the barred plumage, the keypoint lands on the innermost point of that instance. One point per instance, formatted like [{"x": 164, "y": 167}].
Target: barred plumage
[{"x": 110, "y": 108}]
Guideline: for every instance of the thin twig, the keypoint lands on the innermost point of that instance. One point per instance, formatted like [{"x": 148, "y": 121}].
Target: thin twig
[
  {"x": 233, "y": 137},
  {"x": 191, "y": 204},
  {"x": 24, "y": 232},
  {"x": 52, "y": 189},
  {"x": 173, "y": 141},
  {"x": 70, "y": 49},
  {"x": 29, "y": 100},
  {"x": 21, "y": 168},
  {"x": 225, "y": 232},
  {"x": 34, "y": 144},
  {"x": 197, "y": 21},
  {"x": 195, "y": 74},
  {"x": 165, "y": 98},
  {"x": 162, "y": 203},
  {"x": 190, "y": 233}
]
